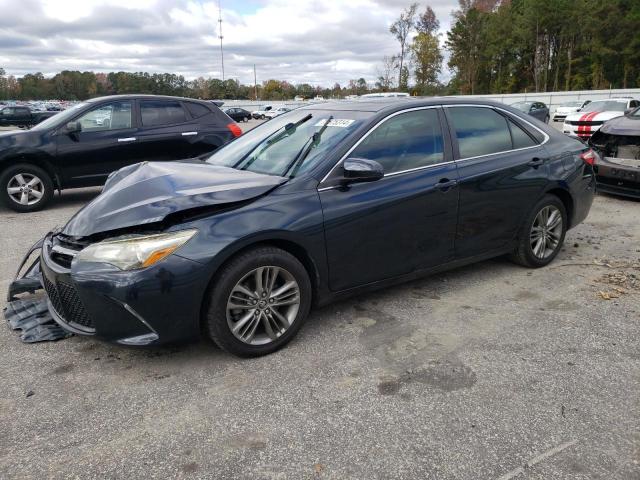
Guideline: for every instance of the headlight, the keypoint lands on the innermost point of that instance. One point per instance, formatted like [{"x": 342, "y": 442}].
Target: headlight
[{"x": 135, "y": 252}]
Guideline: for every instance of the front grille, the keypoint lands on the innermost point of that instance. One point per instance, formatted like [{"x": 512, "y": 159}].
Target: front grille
[
  {"x": 72, "y": 305},
  {"x": 52, "y": 293},
  {"x": 585, "y": 124},
  {"x": 64, "y": 249},
  {"x": 66, "y": 303}
]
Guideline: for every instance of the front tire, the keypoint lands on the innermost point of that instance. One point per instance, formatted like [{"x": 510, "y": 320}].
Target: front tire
[
  {"x": 542, "y": 235},
  {"x": 25, "y": 188},
  {"x": 258, "y": 302}
]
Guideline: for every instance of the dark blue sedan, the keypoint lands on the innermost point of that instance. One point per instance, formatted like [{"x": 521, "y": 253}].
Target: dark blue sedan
[{"x": 320, "y": 203}]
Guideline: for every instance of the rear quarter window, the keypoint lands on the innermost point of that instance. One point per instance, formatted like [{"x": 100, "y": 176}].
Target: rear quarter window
[{"x": 197, "y": 110}]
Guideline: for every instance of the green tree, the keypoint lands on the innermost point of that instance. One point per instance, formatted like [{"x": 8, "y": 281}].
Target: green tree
[{"x": 401, "y": 28}]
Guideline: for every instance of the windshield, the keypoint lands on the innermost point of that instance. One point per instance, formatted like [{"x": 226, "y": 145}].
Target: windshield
[
  {"x": 606, "y": 106},
  {"x": 273, "y": 146},
  {"x": 522, "y": 106},
  {"x": 60, "y": 118},
  {"x": 571, "y": 104}
]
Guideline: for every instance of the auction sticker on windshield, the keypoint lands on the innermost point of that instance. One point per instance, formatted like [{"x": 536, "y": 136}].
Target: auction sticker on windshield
[{"x": 336, "y": 122}]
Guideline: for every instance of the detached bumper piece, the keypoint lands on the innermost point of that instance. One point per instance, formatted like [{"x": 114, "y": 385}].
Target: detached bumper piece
[{"x": 30, "y": 313}]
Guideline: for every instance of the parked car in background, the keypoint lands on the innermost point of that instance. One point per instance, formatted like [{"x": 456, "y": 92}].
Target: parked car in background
[
  {"x": 260, "y": 113},
  {"x": 561, "y": 112},
  {"x": 536, "y": 109},
  {"x": 82, "y": 145},
  {"x": 618, "y": 141},
  {"x": 303, "y": 210},
  {"x": 276, "y": 111},
  {"x": 238, "y": 114},
  {"x": 19, "y": 116},
  {"x": 587, "y": 121}
]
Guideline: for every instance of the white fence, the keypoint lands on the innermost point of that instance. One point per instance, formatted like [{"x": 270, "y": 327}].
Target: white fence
[{"x": 552, "y": 99}]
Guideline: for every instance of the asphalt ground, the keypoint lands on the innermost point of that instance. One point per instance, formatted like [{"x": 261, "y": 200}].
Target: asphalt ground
[{"x": 490, "y": 371}]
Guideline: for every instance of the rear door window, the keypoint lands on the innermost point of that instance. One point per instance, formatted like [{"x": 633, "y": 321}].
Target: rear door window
[
  {"x": 405, "y": 141},
  {"x": 479, "y": 131},
  {"x": 161, "y": 112}
]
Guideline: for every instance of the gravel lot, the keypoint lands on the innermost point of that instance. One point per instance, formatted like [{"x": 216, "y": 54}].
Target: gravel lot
[{"x": 491, "y": 371}]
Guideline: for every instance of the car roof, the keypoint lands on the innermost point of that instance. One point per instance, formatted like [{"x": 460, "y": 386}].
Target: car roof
[
  {"x": 615, "y": 99},
  {"x": 144, "y": 97},
  {"x": 394, "y": 103}
]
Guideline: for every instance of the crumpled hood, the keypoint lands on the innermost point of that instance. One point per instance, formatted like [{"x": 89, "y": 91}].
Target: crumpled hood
[
  {"x": 147, "y": 192},
  {"x": 11, "y": 138},
  {"x": 622, "y": 126}
]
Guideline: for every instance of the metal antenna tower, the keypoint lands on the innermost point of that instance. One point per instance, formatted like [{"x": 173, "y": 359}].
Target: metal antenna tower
[{"x": 220, "y": 37}]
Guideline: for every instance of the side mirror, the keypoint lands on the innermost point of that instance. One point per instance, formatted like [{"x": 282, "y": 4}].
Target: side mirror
[
  {"x": 361, "y": 170},
  {"x": 72, "y": 127}
]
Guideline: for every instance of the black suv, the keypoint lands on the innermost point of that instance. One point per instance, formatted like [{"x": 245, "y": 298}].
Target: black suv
[{"x": 82, "y": 145}]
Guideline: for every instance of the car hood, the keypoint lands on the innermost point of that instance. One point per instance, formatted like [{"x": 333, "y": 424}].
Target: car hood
[
  {"x": 14, "y": 137},
  {"x": 593, "y": 116},
  {"x": 622, "y": 125},
  {"x": 147, "y": 192}
]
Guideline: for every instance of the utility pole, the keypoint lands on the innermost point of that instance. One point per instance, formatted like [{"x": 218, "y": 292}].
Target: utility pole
[
  {"x": 255, "y": 83},
  {"x": 220, "y": 37}
]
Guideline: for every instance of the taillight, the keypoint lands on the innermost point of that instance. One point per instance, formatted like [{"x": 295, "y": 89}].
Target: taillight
[
  {"x": 589, "y": 157},
  {"x": 235, "y": 129}
]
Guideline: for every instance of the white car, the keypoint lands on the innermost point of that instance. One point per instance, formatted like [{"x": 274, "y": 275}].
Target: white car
[
  {"x": 586, "y": 122},
  {"x": 276, "y": 111},
  {"x": 566, "y": 108},
  {"x": 260, "y": 113}
]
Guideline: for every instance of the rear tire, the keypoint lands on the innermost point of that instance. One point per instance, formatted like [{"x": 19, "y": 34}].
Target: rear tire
[
  {"x": 25, "y": 188},
  {"x": 272, "y": 292},
  {"x": 546, "y": 120},
  {"x": 542, "y": 235}
]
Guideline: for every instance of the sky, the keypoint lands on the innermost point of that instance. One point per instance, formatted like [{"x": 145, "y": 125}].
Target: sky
[{"x": 301, "y": 41}]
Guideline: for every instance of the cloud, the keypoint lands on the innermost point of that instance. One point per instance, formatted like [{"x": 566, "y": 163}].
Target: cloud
[{"x": 295, "y": 40}]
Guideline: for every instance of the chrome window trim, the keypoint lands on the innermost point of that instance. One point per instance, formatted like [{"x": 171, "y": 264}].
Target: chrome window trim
[
  {"x": 346, "y": 155},
  {"x": 371, "y": 130},
  {"x": 393, "y": 174}
]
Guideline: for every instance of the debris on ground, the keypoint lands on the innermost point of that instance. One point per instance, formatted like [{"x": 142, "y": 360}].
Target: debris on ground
[{"x": 622, "y": 281}]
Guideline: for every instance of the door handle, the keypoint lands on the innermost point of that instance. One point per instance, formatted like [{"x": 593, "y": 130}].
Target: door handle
[
  {"x": 444, "y": 185},
  {"x": 535, "y": 162},
  {"x": 127, "y": 139},
  {"x": 189, "y": 134}
]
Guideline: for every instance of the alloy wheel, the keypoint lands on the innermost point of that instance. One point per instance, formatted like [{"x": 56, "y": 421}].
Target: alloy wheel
[
  {"x": 25, "y": 189},
  {"x": 546, "y": 232},
  {"x": 263, "y": 305}
]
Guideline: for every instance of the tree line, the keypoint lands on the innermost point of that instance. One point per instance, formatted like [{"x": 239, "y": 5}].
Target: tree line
[
  {"x": 514, "y": 46},
  {"x": 75, "y": 85},
  {"x": 493, "y": 46}
]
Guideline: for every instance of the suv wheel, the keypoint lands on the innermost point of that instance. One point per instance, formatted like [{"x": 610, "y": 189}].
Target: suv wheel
[
  {"x": 258, "y": 302},
  {"x": 25, "y": 187},
  {"x": 542, "y": 235}
]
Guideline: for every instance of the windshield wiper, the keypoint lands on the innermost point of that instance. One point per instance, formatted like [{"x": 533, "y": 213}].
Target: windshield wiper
[
  {"x": 276, "y": 136},
  {"x": 313, "y": 141}
]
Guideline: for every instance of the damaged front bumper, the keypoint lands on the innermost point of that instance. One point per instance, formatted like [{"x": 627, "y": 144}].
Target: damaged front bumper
[
  {"x": 26, "y": 309},
  {"x": 618, "y": 170},
  {"x": 618, "y": 178}
]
